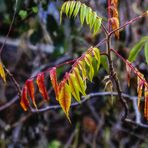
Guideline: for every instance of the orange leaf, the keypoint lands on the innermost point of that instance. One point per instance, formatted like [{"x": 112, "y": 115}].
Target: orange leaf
[
  {"x": 41, "y": 86},
  {"x": 115, "y": 24},
  {"x": 146, "y": 103},
  {"x": 65, "y": 98},
  {"x": 30, "y": 87},
  {"x": 114, "y": 11},
  {"x": 114, "y": 2},
  {"x": 24, "y": 99},
  {"x": 53, "y": 77}
]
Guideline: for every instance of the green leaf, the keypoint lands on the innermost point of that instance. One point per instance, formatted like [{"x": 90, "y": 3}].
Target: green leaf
[
  {"x": 72, "y": 5},
  {"x": 93, "y": 19},
  {"x": 23, "y": 14},
  {"x": 77, "y": 8},
  {"x": 55, "y": 144},
  {"x": 146, "y": 51},
  {"x": 97, "y": 56},
  {"x": 74, "y": 86},
  {"x": 104, "y": 62},
  {"x": 88, "y": 15},
  {"x": 35, "y": 9},
  {"x": 136, "y": 49},
  {"x": 83, "y": 12},
  {"x": 97, "y": 25},
  {"x": 81, "y": 84},
  {"x": 61, "y": 12},
  {"x": 83, "y": 69},
  {"x": 67, "y": 8},
  {"x": 88, "y": 60}
]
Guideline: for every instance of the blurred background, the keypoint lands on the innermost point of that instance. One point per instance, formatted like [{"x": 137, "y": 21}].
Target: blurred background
[{"x": 38, "y": 41}]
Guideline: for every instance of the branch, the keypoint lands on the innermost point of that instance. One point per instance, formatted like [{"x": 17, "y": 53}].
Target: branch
[
  {"x": 131, "y": 66},
  {"x": 116, "y": 80},
  {"x": 84, "y": 99},
  {"x": 129, "y": 22}
]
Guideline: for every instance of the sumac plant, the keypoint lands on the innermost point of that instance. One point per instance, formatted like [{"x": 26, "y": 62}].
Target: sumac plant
[{"x": 74, "y": 82}]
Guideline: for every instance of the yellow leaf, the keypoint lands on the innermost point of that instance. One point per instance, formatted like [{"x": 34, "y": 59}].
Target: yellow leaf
[
  {"x": 74, "y": 86},
  {"x": 83, "y": 69},
  {"x": 97, "y": 56},
  {"x": 88, "y": 60},
  {"x": 65, "y": 98},
  {"x": 2, "y": 73},
  {"x": 81, "y": 83}
]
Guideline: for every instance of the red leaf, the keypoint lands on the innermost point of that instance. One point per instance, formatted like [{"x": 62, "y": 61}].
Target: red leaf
[
  {"x": 24, "y": 99},
  {"x": 30, "y": 86},
  {"x": 53, "y": 77},
  {"x": 41, "y": 86}
]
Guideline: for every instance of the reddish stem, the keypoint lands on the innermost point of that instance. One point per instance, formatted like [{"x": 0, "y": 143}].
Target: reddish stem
[{"x": 131, "y": 66}]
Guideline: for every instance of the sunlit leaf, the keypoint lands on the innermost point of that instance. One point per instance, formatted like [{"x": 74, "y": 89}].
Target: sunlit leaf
[
  {"x": 24, "y": 99},
  {"x": 96, "y": 52},
  {"x": 88, "y": 15},
  {"x": 41, "y": 86},
  {"x": 31, "y": 91},
  {"x": 2, "y": 72},
  {"x": 146, "y": 51},
  {"x": 80, "y": 82},
  {"x": 74, "y": 86},
  {"x": 53, "y": 77},
  {"x": 137, "y": 48},
  {"x": 65, "y": 98},
  {"x": 88, "y": 60},
  {"x": 72, "y": 5},
  {"x": 83, "y": 13},
  {"x": 67, "y": 8},
  {"x": 97, "y": 25},
  {"x": 72, "y": 8},
  {"x": 115, "y": 24},
  {"x": 77, "y": 8}
]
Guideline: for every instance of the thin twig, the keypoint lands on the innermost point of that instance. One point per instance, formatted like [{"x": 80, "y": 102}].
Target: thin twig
[
  {"x": 14, "y": 81},
  {"x": 13, "y": 18}
]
